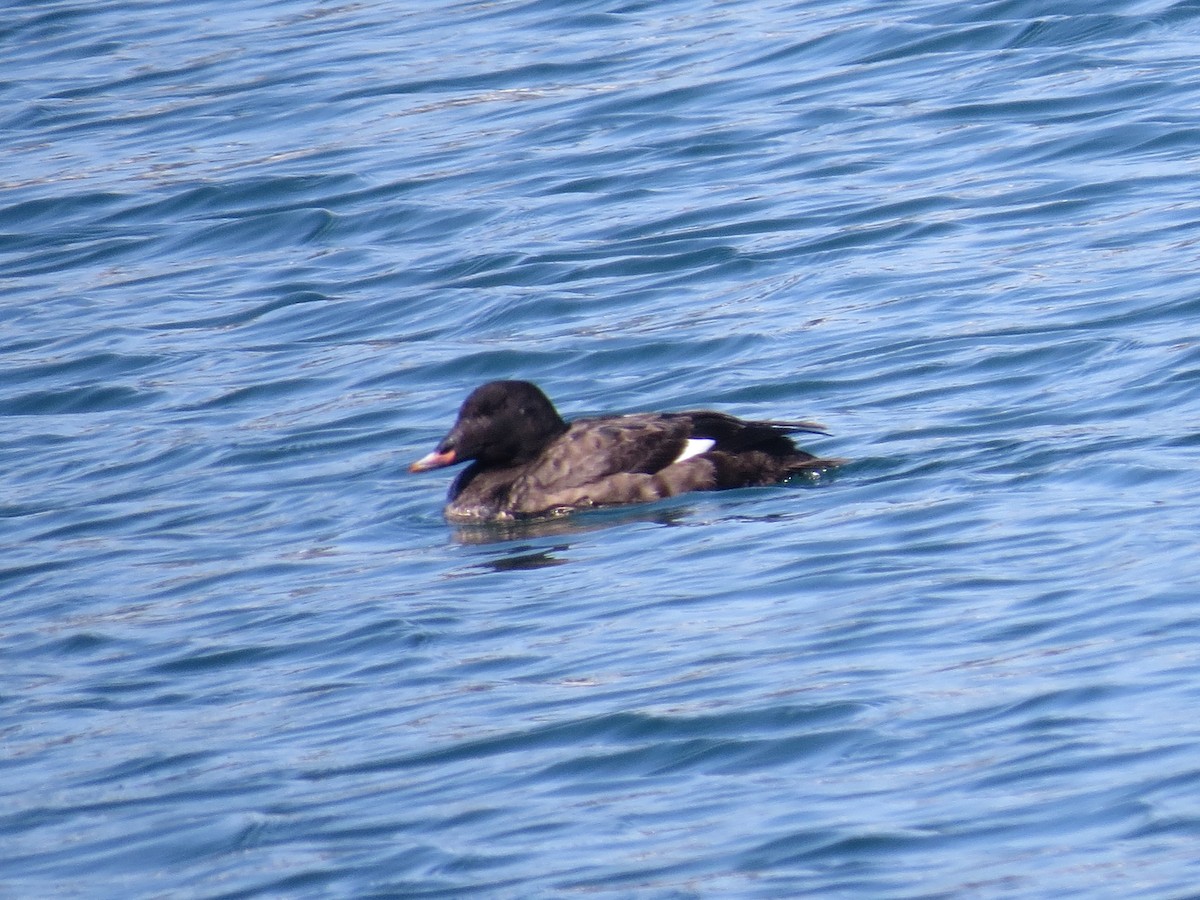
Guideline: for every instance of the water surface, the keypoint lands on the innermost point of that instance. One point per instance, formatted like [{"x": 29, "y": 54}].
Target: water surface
[{"x": 252, "y": 259}]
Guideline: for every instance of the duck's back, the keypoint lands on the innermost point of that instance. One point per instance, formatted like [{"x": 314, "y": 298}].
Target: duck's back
[
  {"x": 632, "y": 459},
  {"x": 599, "y": 447}
]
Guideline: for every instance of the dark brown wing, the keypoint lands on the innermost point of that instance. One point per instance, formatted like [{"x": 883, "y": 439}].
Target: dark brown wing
[
  {"x": 596, "y": 448},
  {"x": 601, "y": 462}
]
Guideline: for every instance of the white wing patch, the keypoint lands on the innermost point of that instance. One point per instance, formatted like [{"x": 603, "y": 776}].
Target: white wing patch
[{"x": 694, "y": 447}]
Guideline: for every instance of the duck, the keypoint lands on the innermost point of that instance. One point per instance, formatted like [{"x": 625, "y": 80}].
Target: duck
[{"x": 527, "y": 462}]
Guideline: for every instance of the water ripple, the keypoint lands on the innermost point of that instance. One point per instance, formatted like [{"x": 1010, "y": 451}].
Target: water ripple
[{"x": 253, "y": 259}]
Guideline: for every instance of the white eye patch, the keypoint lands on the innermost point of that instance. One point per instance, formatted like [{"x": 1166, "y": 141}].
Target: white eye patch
[{"x": 694, "y": 447}]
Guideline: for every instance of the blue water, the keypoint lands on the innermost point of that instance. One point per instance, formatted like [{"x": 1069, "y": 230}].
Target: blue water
[{"x": 254, "y": 254}]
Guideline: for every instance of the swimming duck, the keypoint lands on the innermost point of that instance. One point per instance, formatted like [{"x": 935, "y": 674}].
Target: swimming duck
[{"x": 526, "y": 461}]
